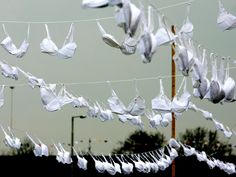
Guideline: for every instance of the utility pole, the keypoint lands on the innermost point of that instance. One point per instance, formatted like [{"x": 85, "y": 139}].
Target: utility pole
[
  {"x": 173, "y": 92},
  {"x": 11, "y": 111}
]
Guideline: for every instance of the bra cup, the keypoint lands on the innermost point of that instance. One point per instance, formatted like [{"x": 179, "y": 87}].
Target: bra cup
[
  {"x": 48, "y": 46},
  {"x": 67, "y": 51},
  {"x": 229, "y": 89},
  {"x": 204, "y": 87},
  {"x": 163, "y": 37},
  {"x": 216, "y": 92},
  {"x": 8, "y": 45},
  {"x": 23, "y": 49}
]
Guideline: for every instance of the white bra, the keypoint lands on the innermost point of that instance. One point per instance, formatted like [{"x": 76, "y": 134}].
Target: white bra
[
  {"x": 68, "y": 48},
  {"x": 11, "y": 48}
]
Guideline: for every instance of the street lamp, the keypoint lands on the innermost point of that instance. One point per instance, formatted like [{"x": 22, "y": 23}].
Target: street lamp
[
  {"x": 72, "y": 132},
  {"x": 11, "y": 111}
]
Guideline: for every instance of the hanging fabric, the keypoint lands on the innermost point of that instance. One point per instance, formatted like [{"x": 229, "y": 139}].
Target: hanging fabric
[
  {"x": 161, "y": 103},
  {"x": 37, "y": 148},
  {"x": 68, "y": 48},
  {"x": 94, "y": 3},
  {"x": 10, "y": 139},
  {"x": 9, "y": 71},
  {"x": 201, "y": 83},
  {"x": 163, "y": 35},
  {"x": 132, "y": 16},
  {"x": 216, "y": 93},
  {"x": 187, "y": 28},
  {"x": 229, "y": 86},
  {"x": 2, "y": 95},
  {"x": 11, "y": 48},
  {"x": 81, "y": 161},
  {"x": 147, "y": 44},
  {"x": 127, "y": 47},
  {"x": 225, "y": 20}
]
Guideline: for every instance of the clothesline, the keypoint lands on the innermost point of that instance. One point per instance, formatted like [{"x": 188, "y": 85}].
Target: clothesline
[
  {"x": 87, "y": 20},
  {"x": 111, "y": 81}
]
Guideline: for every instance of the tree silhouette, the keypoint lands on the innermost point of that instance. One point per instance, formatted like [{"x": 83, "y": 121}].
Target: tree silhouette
[
  {"x": 140, "y": 141},
  {"x": 206, "y": 140}
]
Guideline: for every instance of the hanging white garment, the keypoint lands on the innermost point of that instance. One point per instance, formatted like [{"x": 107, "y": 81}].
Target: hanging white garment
[
  {"x": 9, "y": 71},
  {"x": 166, "y": 119},
  {"x": 115, "y": 104},
  {"x": 49, "y": 98},
  {"x": 53, "y": 101},
  {"x": 187, "y": 28},
  {"x": 136, "y": 120},
  {"x": 14, "y": 142},
  {"x": 201, "y": 83},
  {"x": 163, "y": 35},
  {"x": 124, "y": 117},
  {"x": 66, "y": 158},
  {"x": 138, "y": 163},
  {"x": 184, "y": 56},
  {"x": 93, "y": 111},
  {"x": 181, "y": 104},
  {"x": 104, "y": 114},
  {"x": 201, "y": 156},
  {"x": 127, "y": 167},
  {"x": 132, "y": 16},
  {"x": 68, "y": 48},
  {"x": 210, "y": 163},
  {"x": 59, "y": 156},
  {"x": 225, "y": 20},
  {"x": 161, "y": 103},
  {"x": 151, "y": 165},
  {"x": 216, "y": 93},
  {"x": 110, "y": 168},
  {"x": 44, "y": 148},
  {"x": 128, "y": 47},
  {"x": 229, "y": 86},
  {"x": 11, "y": 48},
  {"x": 37, "y": 148},
  {"x": 219, "y": 126},
  {"x": 100, "y": 167},
  {"x": 81, "y": 161},
  {"x": 136, "y": 106},
  {"x": 147, "y": 44},
  {"x": 205, "y": 114},
  {"x": 172, "y": 153},
  {"x": 8, "y": 141},
  {"x": 227, "y": 132},
  {"x": 188, "y": 151},
  {"x": 154, "y": 120},
  {"x": 32, "y": 80},
  {"x": 173, "y": 143},
  {"x": 116, "y": 165},
  {"x": 2, "y": 96},
  {"x": 77, "y": 102},
  {"x": 94, "y": 3}
]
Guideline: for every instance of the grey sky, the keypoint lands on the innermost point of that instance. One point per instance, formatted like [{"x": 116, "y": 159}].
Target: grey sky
[{"x": 95, "y": 61}]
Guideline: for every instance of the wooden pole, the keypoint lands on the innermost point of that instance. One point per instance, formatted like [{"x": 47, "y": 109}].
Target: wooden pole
[{"x": 173, "y": 92}]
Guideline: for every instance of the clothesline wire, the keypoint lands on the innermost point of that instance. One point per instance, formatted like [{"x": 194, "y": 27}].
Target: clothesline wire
[
  {"x": 87, "y": 20},
  {"x": 112, "y": 81}
]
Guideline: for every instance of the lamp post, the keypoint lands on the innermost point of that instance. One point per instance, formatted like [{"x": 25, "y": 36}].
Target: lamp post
[
  {"x": 11, "y": 111},
  {"x": 72, "y": 131},
  {"x": 72, "y": 139}
]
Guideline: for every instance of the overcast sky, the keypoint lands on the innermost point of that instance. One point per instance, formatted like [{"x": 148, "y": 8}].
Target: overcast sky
[{"x": 95, "y": 61}]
